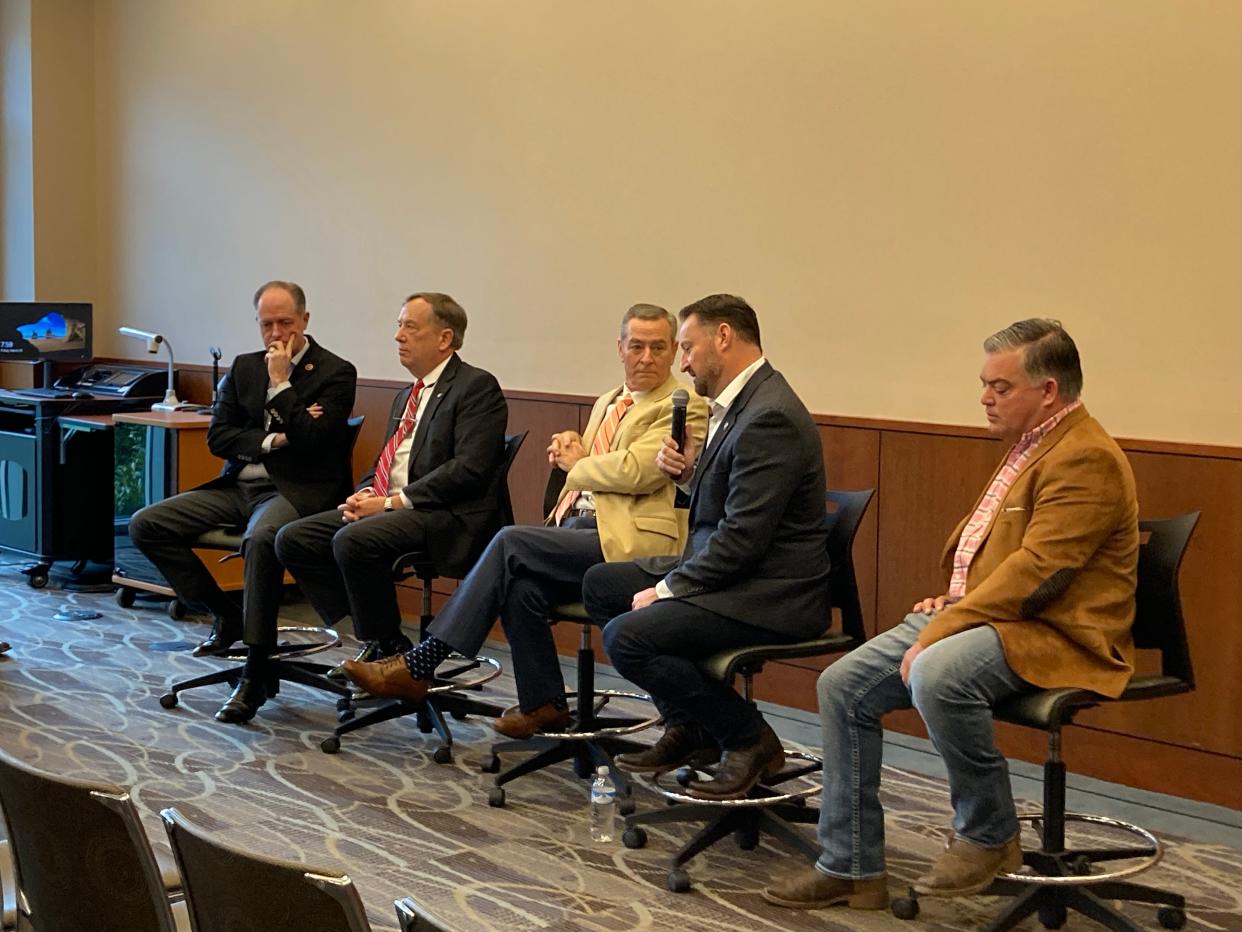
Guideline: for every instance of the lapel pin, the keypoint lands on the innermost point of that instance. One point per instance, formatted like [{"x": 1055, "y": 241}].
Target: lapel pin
[{"x": 309, "y": 366}]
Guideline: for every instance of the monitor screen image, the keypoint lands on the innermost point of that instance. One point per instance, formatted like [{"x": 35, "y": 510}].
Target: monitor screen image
[{"x": 44, "y": 330}]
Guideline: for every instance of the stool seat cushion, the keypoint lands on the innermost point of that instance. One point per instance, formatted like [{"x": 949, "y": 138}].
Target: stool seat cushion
[
  {"x": 568, "y": 611},
  {"x": 1051, "y": 708},
  {"x": 724, "y": 665},
  {"x": 220, "y": 538}
]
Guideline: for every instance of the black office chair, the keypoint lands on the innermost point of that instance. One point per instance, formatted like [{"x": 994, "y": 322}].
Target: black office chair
[
  {"x": 229, "y": 889},
  {"x": 296, "y": 641},
  {"x": 453, "y": 685},
  {"x": 766, "y": 808},
  {"x": 593, "y": 739},
  {"x": 1062, "y": 879},
  {"x": 81, "y": 859}
]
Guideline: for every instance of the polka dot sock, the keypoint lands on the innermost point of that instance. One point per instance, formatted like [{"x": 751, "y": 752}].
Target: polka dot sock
[{"x": 423, "y": 659}]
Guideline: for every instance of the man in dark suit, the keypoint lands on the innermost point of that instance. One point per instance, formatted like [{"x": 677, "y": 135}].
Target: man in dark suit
[
  {"x": 280, "y": 425},
  {"x": 755, "y": 569},
  {"x": 435, "y": 485}
]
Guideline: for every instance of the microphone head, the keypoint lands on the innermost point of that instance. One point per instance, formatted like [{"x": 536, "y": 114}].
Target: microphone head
[{"x": 681, "y": 398}]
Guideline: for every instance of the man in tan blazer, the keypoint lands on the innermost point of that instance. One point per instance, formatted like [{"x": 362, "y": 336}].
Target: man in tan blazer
[
  {"x": 616, "y": 505},
  {"x": 1041, "y": 578}
]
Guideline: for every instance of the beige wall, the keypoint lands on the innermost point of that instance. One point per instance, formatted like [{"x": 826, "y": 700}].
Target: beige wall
[{"x": 887, "y": 182}]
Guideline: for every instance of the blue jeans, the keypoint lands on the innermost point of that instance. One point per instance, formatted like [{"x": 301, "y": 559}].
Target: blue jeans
[{"x": 953, "y": 685}]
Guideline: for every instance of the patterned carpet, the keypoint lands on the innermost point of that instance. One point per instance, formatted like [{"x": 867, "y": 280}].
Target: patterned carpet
[{"x": 81, "y": 698}]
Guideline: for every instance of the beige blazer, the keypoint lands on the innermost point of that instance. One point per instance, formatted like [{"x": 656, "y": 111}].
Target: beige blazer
[
  {"x": 633, "y": 499},
  {"x": 1056, "y": 570}
]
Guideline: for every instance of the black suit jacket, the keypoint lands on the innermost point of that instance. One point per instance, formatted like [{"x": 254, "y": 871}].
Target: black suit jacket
[
  {"x": 455, "y": 463},
  {"x": 313, "y": 472},
  {"x": 757, "y": 548}
]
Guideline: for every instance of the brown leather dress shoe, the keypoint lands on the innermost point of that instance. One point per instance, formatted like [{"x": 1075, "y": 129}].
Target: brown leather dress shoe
[
  {"x": 811, "y": 888},
  {"x": 517, "y": 724},
  {"x": 741, "y": 768},
  {"x": 225, "y": 632},
  {"x": 390, "y": 677},
  {"x": 677, "y": 746},
  {"x": 967, "y": 868}
]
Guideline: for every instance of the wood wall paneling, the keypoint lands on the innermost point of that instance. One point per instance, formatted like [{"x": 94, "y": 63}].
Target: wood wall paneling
[{"x": 927, "y": 477}]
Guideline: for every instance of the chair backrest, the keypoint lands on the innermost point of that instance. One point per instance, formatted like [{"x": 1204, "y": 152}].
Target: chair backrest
[
  {"x": 80, "y": 855},
  {"x": 552, "y": 491},
  {"x": 228, "y": 889},
  {"x": 843, "y": 524},
  {"x": 513, "y": 443},
  {"x": 1158, "y": 621}
]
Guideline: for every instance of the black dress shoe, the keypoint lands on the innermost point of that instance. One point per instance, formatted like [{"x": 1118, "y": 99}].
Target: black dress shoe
[
  {"x": 225, "y": 632},
  {"x": 741, "y": 768},
  {"x": 677, "y": 747},
  {"x": 245, "y": 701}
]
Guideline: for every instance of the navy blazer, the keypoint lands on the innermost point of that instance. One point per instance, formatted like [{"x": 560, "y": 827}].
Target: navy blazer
[
  {"x": 313, "y": 472},
  {"x": 757, "y": 550},
  {"x": 456, "y": 461}
]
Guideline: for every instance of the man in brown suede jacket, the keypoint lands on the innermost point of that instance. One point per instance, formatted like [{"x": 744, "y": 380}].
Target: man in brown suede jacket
[{"x": 1041, "y": 579}]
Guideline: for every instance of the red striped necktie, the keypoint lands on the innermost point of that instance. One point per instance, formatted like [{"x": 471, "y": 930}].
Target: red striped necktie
[{"x": 379, "y": 485}]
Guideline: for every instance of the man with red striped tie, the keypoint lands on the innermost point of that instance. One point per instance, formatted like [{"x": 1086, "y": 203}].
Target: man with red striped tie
[
  {"x": 616, "y": 505},
  {"x": 434, "y": 486}
]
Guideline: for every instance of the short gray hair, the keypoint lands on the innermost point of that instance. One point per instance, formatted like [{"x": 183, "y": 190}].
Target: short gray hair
[
  {"x": 447, "y": 312},
  {"x": 650, "y": 312},
  {"x": 1048, "y": 352}
]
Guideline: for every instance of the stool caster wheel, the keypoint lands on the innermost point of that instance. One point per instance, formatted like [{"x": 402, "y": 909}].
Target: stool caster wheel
[
  {"x": 169, "y": 700},
  {"x": 634, "y": 837},
  {"x": 344, "y": 703},
  {"x": 490, "y": 764},
  {"x": 678, "y": 881},
  {"x": 626, "y": 806},
  {"x": 747, "y": 838},
  {"x": 330, "y": 745},
  {"x": 496, "y": 797},
  {"x": 458, "y": 715},
  {"x": 345, "y": 715},
  {"x": 38, "y": 580},
  {"x": 905, "y": 907},
  {"x": 177, "y": 610},
  {"x": 125, "y": 596},
  {"x": 1170, "y": 917},
  {"x": 1080, "y": 866},
  {"x": 443, "y": 754},
  {"x": 1052, "y": 917}
]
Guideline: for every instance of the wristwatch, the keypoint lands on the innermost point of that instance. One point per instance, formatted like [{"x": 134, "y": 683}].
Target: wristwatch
[{"x": 388, "y": 503}]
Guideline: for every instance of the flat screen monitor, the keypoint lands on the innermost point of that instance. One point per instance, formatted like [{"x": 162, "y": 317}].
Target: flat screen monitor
[{"x": 44, "y": 330}]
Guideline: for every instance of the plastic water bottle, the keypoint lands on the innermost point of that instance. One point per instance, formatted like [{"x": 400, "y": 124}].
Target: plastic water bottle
[{"x": 603, "y": 807}]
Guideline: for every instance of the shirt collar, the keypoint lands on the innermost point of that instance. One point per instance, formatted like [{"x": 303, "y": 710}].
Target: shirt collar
[
  {"x": 1038, "y": 433},
  {"x": 296, "y": 359},
  {"x": 734, "y": 388},
  {"x": 430, "y": 378}
]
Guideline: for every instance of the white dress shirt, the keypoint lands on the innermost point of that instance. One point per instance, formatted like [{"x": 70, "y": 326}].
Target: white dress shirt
[{"x": 399, "y": 474}]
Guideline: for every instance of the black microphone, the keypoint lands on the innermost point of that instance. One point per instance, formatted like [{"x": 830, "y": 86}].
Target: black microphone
[
  {"x": 216, "y": 353},
  {"x": 681, "y": 398}
]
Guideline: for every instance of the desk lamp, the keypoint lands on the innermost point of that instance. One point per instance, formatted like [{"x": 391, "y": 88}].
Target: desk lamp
[{"x": 170, "y": 402}]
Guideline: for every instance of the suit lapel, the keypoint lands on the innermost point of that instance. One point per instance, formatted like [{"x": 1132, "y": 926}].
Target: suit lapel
[
  {"x": 597, "y": 417},
  {"x": 441, "y": 388},
  {"x": 762, "y": 374},
  {"x": 1045, "y": 446}
]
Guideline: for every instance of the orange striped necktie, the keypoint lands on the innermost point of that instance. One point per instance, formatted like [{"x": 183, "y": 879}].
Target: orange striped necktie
[
  {"x": 384, "y": 465},
  {"x": 601, "y": 444}
]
